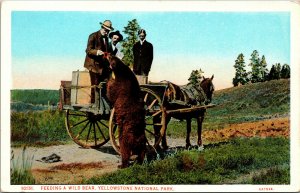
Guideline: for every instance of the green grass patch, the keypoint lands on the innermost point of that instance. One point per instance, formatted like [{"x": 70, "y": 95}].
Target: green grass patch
[
  {"x": 35, "y": 96},
  {"x": 275, "y": 175},
  {"x": 20, "y": 172},
  {"x": 251, "y": 102},
  {"x": 38, "y": 127},
  {"x": 215, "y": 165}
]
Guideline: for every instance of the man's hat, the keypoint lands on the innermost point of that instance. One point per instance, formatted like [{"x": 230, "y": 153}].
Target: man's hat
[
  {"x": 116, "y": 33},
  {"x": 107, "y": 25}
]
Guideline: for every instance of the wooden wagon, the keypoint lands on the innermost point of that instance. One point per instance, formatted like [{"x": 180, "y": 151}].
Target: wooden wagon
[{"x": 93, "y": 126}]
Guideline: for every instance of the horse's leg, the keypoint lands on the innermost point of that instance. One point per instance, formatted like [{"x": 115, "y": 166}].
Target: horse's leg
[
  {"x": 188, "y": 132},
  {"x": 157, "y": 133},
  {"x": 164, "y": 138},
  {"x": 199, "y": 124}
]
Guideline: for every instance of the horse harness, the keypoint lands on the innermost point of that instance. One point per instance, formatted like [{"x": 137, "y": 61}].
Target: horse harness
[
  {"x": 193, "y": 95},
  {"x": 190, "y": 95}
]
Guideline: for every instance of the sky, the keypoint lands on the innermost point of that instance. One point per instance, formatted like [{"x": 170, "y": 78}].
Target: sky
[{"x": 46, "y": 46}]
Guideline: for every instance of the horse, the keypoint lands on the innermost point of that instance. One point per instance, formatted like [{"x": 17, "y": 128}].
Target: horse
[{"x": 188, "y": 96}]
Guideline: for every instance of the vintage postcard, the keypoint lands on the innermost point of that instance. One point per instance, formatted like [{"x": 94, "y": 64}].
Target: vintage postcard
[{"x": 150, "y": 96}]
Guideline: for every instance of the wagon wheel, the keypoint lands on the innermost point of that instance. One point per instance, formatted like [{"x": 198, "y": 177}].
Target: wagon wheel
[
  {"x": 155, "y": 121},
  {"x": 87, "y": 129}
]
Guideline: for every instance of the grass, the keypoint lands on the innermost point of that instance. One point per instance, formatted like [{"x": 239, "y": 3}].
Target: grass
[
  {"x": 274, "y": 175},
  {"x": 216, "y": 165},
  {"x": 249, "y": 103},
  {"x": 21, "y": 169},
  {"x": 38, "y": 127},
  {"x": 23, "y": 107},
  {"x": 35, "y": 96}
]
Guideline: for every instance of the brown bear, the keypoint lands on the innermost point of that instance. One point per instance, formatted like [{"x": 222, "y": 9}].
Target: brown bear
[{"x": 123, "y": 92}]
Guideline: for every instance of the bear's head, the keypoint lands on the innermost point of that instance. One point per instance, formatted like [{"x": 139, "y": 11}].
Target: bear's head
[
  {"x": 124, "y": 78},
  {"x": 121, "y": 70}
]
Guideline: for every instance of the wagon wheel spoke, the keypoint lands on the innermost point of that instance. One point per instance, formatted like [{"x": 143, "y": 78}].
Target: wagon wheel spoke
[
  {"x": 151, "y": 105},
  {"x": 104, "y": 131},
  {"x": 101, "y": 131},
  {"x": 145, "y": 97},
  {"x": 95, "y": 135},
  {"x": 103, "y": 124},
  {"x": 153, "y": 115},
  {"x": 88, "y": 135},
  {"x": 79, "y": 123},
  {"x": 147, "y": 130},
  {"x": 157, "y": 113},
  {"x": 80, "y": 132}
]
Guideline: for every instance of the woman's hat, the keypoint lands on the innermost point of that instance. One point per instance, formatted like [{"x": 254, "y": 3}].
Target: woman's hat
[
  {"x": 116, "y": 33},
  {"x": 107, "y": 25}
]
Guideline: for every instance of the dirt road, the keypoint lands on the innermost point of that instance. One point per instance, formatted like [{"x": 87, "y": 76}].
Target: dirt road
[{"x": 78, "y": 163}]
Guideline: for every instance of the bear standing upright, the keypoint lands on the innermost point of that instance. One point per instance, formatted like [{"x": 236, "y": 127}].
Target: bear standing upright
[{"x": 123, "y": 93}]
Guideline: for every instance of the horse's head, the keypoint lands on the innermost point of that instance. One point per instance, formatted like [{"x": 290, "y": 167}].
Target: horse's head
[{"x": 208, "y": 87}]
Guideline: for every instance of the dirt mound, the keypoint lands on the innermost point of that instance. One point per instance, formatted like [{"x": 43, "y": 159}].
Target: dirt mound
[
  {"x": 265, "y": 128},
  {"x": 72, "y": 173}
]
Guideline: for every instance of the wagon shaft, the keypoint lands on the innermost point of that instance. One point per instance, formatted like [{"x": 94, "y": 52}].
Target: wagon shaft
[{"x": 189, "y": 110}]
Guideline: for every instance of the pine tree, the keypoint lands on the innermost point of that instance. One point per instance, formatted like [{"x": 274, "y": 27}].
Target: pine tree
[
  {"x": 271, "y": 75},
  {"x": 131, "y": 31},
  {"x": 285, "y": 71},
  {"x": 275, "y": 72},
  {"x": 256, "y": 74},
  {"x": 263, "y": 69},
  {"x": 240, "y": 72}
]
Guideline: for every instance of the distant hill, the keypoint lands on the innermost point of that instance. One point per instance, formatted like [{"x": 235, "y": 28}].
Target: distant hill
[
  {"x": 35, "y": 96},
  {"x": 244, "y": 103},
  {"x": 251, "y": 102}
]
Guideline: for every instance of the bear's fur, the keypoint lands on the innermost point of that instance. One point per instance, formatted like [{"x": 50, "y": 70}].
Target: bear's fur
[{"x": 123, "y": 93}]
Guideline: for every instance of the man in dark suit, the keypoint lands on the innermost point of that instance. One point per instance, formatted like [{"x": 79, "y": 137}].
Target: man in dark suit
[
  {"x": 95, "y": 61},
  {"x": 143, "y": 55}
]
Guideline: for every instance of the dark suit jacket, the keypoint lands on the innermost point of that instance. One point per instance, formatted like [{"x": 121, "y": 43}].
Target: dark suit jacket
[
  {"x": 94, "y": 63},
  {"x": 143, "y": 56}
]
